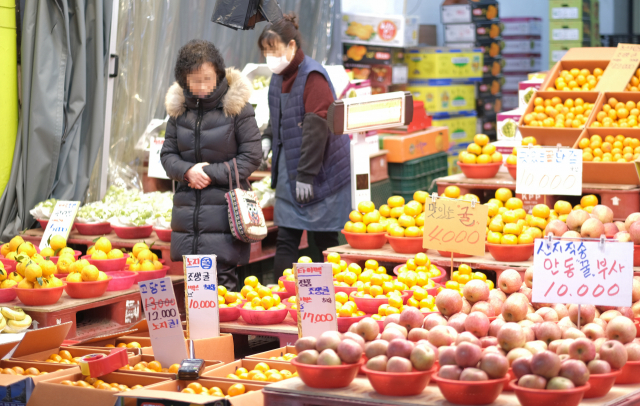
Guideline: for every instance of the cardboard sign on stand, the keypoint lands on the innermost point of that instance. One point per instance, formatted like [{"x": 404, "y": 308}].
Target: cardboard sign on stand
[
  {"x": 621, "y": 68},
  {"x": 60, "y": 222},
  {"x": 316, "y": 299},
  {"x": 156, "y": 170},
  {"x": 201, "y": 285},
  {"x": 549, "y": 171}
]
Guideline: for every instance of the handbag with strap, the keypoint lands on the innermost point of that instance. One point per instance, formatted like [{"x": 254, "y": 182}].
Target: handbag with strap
[{"x": 245, "y": 215}]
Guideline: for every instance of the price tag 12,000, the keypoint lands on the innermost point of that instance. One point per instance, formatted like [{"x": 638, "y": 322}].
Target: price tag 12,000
[
  {"x": 163, "y": 319},
  {"x": 201, "y": 283},
  {"x": 316, "y": 299},
  {"x": 549, "y": 171}
]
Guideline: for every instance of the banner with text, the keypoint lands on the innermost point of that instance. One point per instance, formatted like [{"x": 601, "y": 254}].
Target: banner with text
[
  {"x": 200, "y": 275},
  {"x": 60, "y": 222},
  {"x": 549, "y": 171},
  {"x": 316, "y": 299}
]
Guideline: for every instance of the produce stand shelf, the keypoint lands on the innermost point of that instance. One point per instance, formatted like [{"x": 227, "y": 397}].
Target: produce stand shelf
[
  {"x": 95, "y": 316},
  {"x": 622, "y": 199},
  {"x": 287, "y": 331},
  {"x": 292, "y": 392},
  {"x": 259, "y": 251}
]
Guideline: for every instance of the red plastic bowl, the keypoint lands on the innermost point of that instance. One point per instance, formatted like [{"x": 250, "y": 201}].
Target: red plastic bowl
[
  {"x": 365, "y": 241},
  {"x": 131, "y": 233},
  {"x": 545, "y": 397},
  {"x": 406, "y": 245},
  {"x": 121, "y": 280},
  {"x": 510, "y": 374},
  {"x": 480, "y": 171},
  {"x": 636, "y": 255},
  {"x": 345, "y": 322},
  {"x": 93, "y": 229},
  {"x": 7, "y": 295},
  {"x": 345, "y": 289},
  {"x": 471, "y": 392},
  {"x": 163, "y": 235},
  {"x": 147, "y": 275},
  {"x": 325, "y": 376},
  {"x": 288, "y": 285},
  {"x": 76, "y": 255},
  {"x": 510, "y": 253},
  {"x": 284, "y": 295},
  {"x": 40, "y": 297},
  {"x": 370, "y": 305},
  {"x": 43, "y": 223},
  {"x": 108, "y": 265},
  {"x": 630, "y": 373},
  {"x": 267, "y": 212},
  {"x": 293, "y": 313},
  {"x": 601, "y": 384},
  {"x": 398, "y": 383},
  {"x": 513, "y": 170},
  {"x": 86, "y": 290},
  {"x": 263, "y": 317},
  {"x": 447, "y": 254},
  {"x": 229, "y": 313},
  {"x": 9, "y": 265}
]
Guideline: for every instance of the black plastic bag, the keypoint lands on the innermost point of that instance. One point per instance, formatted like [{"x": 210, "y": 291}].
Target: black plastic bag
[{"x": 244, "y": 14}]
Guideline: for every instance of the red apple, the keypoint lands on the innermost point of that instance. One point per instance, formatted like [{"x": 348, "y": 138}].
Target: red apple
[
  {"x": 448, "y": 302},
  {"x": 621, "y": 226},
  {"x": 598, "y": 366},
  {"x": 610, "y": 230},
  {"x": 518, "y": 353},
  {"x": 571, "y": 236},
  {"x": 587, "y": 313},
  {"x": 466, "y": 306},
  {"x": 468, "y": 337},
  {"x": 483, "y": 307},
  {"x": 556, "y": 227},
  {"x": 521, "y": 366},
  {"x": 603, "y": 213},
  {"x": 576, "y": 219},
  {"x": 511, "y": 336},
  {"x": 477, "y": 323},
  {"x": 576, "y": 371},
  {"x": 417, "y": 334},
  {"x": 548, "y": 332},
  {"x": 614, "y": 353},
  {"x": 467, "y": 354},
  {"x": 451, "y": 372},
  {"x": 441, "y": 335},
  {"x": 488, "y": 341},
  {"x": 561, "y": 310},
  {"x": 625, "y": 311},
  {"x": 545, "y": 364},
  {"x": 631, "y": 218},
  {"x": 528, "y": 277},
  {"x": 509, "y": 281},
  {"x": 432, "y": 320},
  {"x": 572, "y": 333},
  {"x": 535, "y": 318},
  {"x": 621, "y": 329},
  {"x": 634, "y": 230},
  {"x": 592, "y": 228},
  {"x": 610, "y": 315},
  {"x": 447, "y": 355},
  {"x": 582, "y": 349},
  {"x": 476, "y": 290},
  {"x": 495, "y": 326},
  {"x": 457, "y": 322},
  {"x": 633, "y": 351},
  {"x": 411, "y": 317},
  {"x": 547, "y": 314},
  {"x": 515, "y": 308},
  {"x": 532, "y": 382},
  {"x": 593, "y": 331},
  {"x": 495, "y": 365},
  {"x": 636, "y": 309}
]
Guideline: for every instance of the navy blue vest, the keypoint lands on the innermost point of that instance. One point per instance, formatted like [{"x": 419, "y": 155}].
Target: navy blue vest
[{"x": 335, "y": 172}]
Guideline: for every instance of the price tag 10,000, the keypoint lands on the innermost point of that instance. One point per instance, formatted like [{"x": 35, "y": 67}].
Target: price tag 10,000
[
  {"x": 549, "y": 171},
  {"x": 316, "y": 299},
  {"x": 203, "y": 317}
]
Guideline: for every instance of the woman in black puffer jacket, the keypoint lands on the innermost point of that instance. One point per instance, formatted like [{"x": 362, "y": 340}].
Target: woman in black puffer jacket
[{"x": 211, "y": 122}]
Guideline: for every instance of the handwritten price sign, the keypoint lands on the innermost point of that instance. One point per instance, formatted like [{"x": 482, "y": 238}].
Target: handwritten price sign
[
  {"x": 621, "y": 68},
  {"x": 60, "y": 222},
  {"x": 201, "y": 284},
  {"x": 455, "y": 226},
  {"x": 549, "y": 171},
  {"x": 163, "y": 318},
  {"x": 583, "y": 272},
  {"x": 316, "y": 299}
]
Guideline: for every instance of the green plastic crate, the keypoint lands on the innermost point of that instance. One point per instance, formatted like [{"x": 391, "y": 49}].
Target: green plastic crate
[{"x": 418, "y": 167}]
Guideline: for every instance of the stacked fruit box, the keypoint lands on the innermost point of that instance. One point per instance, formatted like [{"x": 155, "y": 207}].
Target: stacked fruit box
[{"x": 572, "y": 24}]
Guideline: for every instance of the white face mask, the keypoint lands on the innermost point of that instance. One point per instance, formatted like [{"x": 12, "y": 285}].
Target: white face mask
[{"x": 277, "y": 63}]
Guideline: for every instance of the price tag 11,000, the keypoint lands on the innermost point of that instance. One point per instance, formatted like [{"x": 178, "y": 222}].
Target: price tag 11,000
[
  {"x": 583, "y": 272},
  {"x": 163, "y": 319},
  {"x": 316, "y": 299},
  {"x": 60, "y": 222},
  {"x": 201, "y": 284},
  {"x": 549, "y": 171}
]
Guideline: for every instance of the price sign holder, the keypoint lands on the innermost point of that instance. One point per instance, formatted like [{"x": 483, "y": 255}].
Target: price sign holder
[
  {"x": 60, "y": 222},
  {"x": 549, "y": 171},
  {"x": 201, "y": 295},
  {"x": 621, "y": 68},
  {"x": 316, "y": 299},
  {"x": 582, "y": 271},
  {"x": 163, "y": 318},
  {"x": 358, "y": 115}
]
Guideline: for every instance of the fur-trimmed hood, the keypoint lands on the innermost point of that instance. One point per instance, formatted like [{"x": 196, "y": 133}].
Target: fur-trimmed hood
[{"x": 233, "y": 102}]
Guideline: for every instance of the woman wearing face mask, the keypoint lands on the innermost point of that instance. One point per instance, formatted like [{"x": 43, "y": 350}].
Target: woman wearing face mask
[
  {"x": 310, "y": 166},
  {"x": 211, "y": 122}
]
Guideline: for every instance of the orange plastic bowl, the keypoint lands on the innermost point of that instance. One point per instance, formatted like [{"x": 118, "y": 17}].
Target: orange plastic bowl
[
  {"x": 229, "y": 313},
  {"x": 40, "y": 297},
  {"x": 471, "y": 392},
  {"x": 327, "y": 376},
  {"x": 630, "y": 373},
  {"x": 345, "y": 322},
  {"x": 133, "y": 232},
  {"x": 288, "y": 285},
  {"x": 163, "y": 235},
  {"x": 76, "y": 255},
  {"x": 511, "y": 253},
  {"x": 636, "y": 255},
  {"x": 7, "y": 295},
  {"x": 601, "y": 384},
  {"x": 447, "y": 254},
  {"x": 545, "y": 397},
  {"x": 147, "y": 275},
  {"x": 365, "y": 241},
  {"x": 108, "y": 265},
  {"x": 399, "y": 383},
  {"x": 406, "y": 245},
  {"x": 263, "y": 317},
  {"x": 86, "y": 290},
  {"x": 513, "y": 170},
  {"x": 93, "y": 229},
  {"x": 480, "y": 171}
]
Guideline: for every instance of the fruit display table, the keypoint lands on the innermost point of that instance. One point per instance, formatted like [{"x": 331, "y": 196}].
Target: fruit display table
[
  {"x": 96, "y": 316},
  {"x": 287, "y": 331},
  {"x": 292, "y": 392}
]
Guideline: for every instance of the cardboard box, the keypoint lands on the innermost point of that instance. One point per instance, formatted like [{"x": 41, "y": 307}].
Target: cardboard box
[
  {"x": 358, "y": 54},
  {"x": 522, "y": 63},
  {"x": 568, "y": 64},
  {"x": 222, "y": 371},
  {"x": 557, "y": 50},
  {"x": 443, "y": 96},
  {"x": 569, "y": 30},
  {"x": 490, "y": 86},
  {"x": 492, "y": 67},
  {"x": 427, "y": 35},
  {"x": 487, "y": 125},
  {"x": 16, "y": 390},
  {"x": 465, "y": 11},
  {"x": 168, "y": 393},
  {"x": 444, "y": 63},
  {"x": 526, "y": 90},
  {"x": 452, "y": 160},
  {"x": 357, "y": 88},
  {"x": 518, "y": 26},
  {"x": 569, "y": 10},
  {"x": 490, "y": 105},
  {"x": 373, "y": 29},
  {"x": 148, "y": 358},
  {"x": 52, "y": 392},
  {"x": 278, "y": 352},
  {"x": 210, "y": 349},
  {"x": 507, "y": 125},
  {"x": 473, "y": 32},
  {"x": 462, "y": 127},
  {"x": 522, "y": 45},
  {"x": 404, "y": 148},
  {"x": 490, "y": 49}
]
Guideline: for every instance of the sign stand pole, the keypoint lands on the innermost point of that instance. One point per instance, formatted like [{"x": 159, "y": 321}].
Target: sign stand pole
[
  {"x": 451, "y": 264},
  {"x": 360, "y": 170}
]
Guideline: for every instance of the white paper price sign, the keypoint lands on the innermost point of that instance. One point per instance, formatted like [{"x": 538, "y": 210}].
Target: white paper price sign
[
  {"x": 549, "y": 171},
  {"x": 163, "y": 319},
  {"x": 200, "y": 275},
  {"x": 316, "y": 299},
  {"x": 156, "y": 170},
  {"x": 61, "y": 221},
  {"x": 583, "y": 272}
]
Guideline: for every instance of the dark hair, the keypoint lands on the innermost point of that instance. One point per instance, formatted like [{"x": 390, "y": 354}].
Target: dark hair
[
  {"x": 194, "y": 54},
  {"x": 284, "y": 30}
]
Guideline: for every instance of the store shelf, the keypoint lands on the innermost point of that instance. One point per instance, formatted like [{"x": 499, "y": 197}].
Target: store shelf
[{"x": 287, "y": 331}]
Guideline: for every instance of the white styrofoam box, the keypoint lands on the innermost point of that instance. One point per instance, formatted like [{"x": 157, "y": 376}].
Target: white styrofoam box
[
  {"x": 460, "y": 32},
  {"x": 516, "y": 26},
  {"x": 507, "y": 124},
  {"x": 511, "y": 81},
  {"x": 522, "y": 45},
  {"x": 456, "y": 13},
  {"x": 505, "y": 147},
  {"x": 385, "y": 30},
  {"x": 509, "y": 100},
  {"x": 522, "y": 63},
  {"x": 526, "y": 89}
]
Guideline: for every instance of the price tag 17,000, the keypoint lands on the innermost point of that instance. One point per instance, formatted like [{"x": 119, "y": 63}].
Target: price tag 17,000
[
  {"x": 163, "y": 319},
  {"x": 203, "y": 318},
  {"x": 583, "y": 272},
  {"x": 60, "y": 222},
  {"x": 455, "y": 226},
  {"x": 549, "y": 171},
  {"x": 316, "y": 299}
]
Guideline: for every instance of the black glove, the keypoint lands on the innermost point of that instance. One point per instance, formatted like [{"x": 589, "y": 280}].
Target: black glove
[{"x": 304, "y": 192}]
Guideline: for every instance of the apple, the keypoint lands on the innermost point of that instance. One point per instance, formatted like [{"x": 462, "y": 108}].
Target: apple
[
  {"x": 375, "y": 348},
  {"x": 622, "y": 329},
  {"x": 396, "y": 327},
  {"x": 534, "y": 318},
  {"x": 547, "y": 314},
  {"x": 354, "y": 337},
  {"x": 496, "y": 304},
  {"x": 495, "y": 365},
  {"x": 582, "y": 349},
  {"x": 587, "y": 313},
  {"x": 521, "y": 366},
  {"x": 422, "y": 357},
  {"x": 563, "y": 358},
  {"x": 417, "y": 334},
  {"x": 448, "y": 302},
  {"x": 636, "y": 309},
  {"x": 498, "y": 294},
  {"x": 560, "y": 383},
  {"x": 561, "y": 310},
  {"x": 511, "y": 336},
  {"x": 573, "y": 333},
  {"x": 476, "y": 290},
  {"x": 535, "y": 347},
  {"x": 447, "y": 355},
  {"x": 545, "y": 364},
  {"x": 441, "y": 336},
  {"x": 509, "y": 281},
  {"x": 329, "y": 357},
  {"x": 610, "y": 230},
  {"x": 468, "y": 337},
  {"x": 488, "y": 341},
  {"x": 399, "y": 348},
  {"x": 634, "y": 230},
  {"x": 477, "y": 323},
  {"x": 483, "y": 307},
  {"x": 593, "y": 331},
  {"x": 554, "y": 345},
  {"x": 601, "y": 323},
  {"x": 392, "y": 318},
  {"x": 328, "y": 339},
  {"x": 432, "y": 320},
  {"x": 614, "y": 353},
  {"x": 603, "y": 213},
  {"x": 515, "y": 307},
  {"x": 532, "y": 382},
  {"x": 517, "y": 353},
  {"x": 556, "y": 228},
  {"x": 529, "y": 335},
  {"x": 633, "y": 351},
  {"x": 468, "y": 355},
  {"x": 378, "y": 363},
  {"x": 350, "y": 351},
  {"x": 625, "y": 311},
  {"x": 495, "y": 326},
  {"x": 576, "y": 219},
  {"x": 392, "y": 333},
  {"x": 598, "y": 366},
  {"x": 564, "y": 346},
  {"x": 367, "y": 328},
  {"x": 457, "y": 321},
  {"x": 610, "y": 315},
  {"x": 451, "y": 372},
  {"x": 305, "y": 343},
  {"x": 309, "y": 357},
  {"x": 466, "y": 307},
  {"x": 576, "y": 371},
  {"x": 622, "y": 236},
  {"x": 411, "y": 317},
  {"x": 399, "y": 364},
  {"x": 473, "y": 374},
  {"x": 566, "y": 323},
  {"x": 527, "y": 292},
  {"x": 598, "y": 343},
  {"x": 620, "y": 225},
  {"x": 631, "y": 218},
  {"x": 571, "y": 236}
]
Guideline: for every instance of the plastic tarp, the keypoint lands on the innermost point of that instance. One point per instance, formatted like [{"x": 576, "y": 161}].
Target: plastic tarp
[
  {"x": 64, "y": 74},
  {"x": 8, "y": 88}
]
